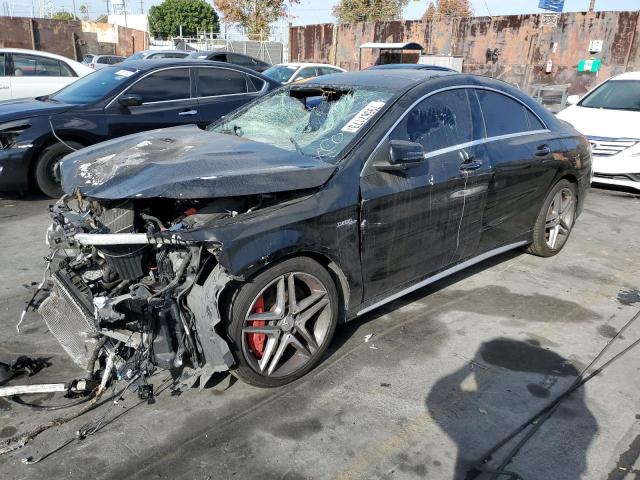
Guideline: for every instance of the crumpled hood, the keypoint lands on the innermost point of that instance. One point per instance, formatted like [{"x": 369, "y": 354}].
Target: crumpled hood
[
  {"x": 29, "y": 107},
  {"x": 186, "y": 162},
  {"x": 601, "y": 122}
]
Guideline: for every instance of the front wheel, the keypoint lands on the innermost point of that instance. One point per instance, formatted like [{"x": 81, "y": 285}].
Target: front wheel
[
  {"x": 47, "y": 169},
  {"x": 281, "y": 322},
  {"x": 555, "y": 220}
]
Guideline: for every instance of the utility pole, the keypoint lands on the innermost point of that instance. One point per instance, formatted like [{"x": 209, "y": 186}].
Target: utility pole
[
  {"x": 75, "y": 14},
  {"x": 141, "y": 7},
  {"x": 592, "y": 5}
]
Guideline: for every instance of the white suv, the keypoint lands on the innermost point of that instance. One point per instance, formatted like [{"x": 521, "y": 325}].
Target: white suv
[
  {"x": 31, "y": 73},
  {"x": 609, "y": 116}
]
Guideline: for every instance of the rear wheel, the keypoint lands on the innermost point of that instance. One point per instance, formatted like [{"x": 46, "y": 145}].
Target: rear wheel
[
  {"x": 47, "y": 170},
  {"x": 282, "y": 321},
  {"x": 555, "y": 221}
]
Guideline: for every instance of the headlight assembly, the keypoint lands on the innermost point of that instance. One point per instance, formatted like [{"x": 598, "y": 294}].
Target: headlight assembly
[{"x": 10, "y": 131}]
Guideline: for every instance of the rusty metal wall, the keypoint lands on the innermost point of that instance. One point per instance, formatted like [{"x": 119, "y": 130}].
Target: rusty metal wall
[
  {"x": 72, "y": 39},
  {"x": 524, "y": 46}
]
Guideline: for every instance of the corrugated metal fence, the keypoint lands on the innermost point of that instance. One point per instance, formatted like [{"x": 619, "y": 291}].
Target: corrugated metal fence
[{"x": 524, "y": 45}]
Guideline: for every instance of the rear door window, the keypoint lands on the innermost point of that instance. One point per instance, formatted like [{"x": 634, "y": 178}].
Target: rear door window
[
  {"x": 327, "y": 70},
  {"x": 222, "y": 81},
  {"x": 307, "y": 72},
  {"x": 504, "y": 115},
  {"x": 440, "y": 121},
  {"x": 36, "y": 66},
  {"x": 104, "y": 60},
  {"x": 171, "y": 84}
]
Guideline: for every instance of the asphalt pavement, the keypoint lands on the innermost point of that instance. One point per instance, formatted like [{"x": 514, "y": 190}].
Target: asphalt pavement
[{"x": 420, "y": 388}]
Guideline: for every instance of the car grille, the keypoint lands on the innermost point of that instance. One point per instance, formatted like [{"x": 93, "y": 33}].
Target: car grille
[
  {"x": 607, "y": 147},
  {"x": 71, "y": 324}
]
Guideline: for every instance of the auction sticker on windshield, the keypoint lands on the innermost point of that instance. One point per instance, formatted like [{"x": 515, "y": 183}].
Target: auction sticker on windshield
[
  {"x": 363, "y": 117},
  {"x": 125, "y": 73}
]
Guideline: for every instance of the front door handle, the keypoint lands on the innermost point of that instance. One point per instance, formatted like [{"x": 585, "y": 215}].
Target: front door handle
[
  {"x": 188, "y": 112},
  {"x": 543, "y": 151}
]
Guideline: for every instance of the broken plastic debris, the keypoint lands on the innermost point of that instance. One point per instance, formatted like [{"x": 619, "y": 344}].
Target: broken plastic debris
[
  {"x": 368, "y": 337},
  {"x": 482, "y": 411}
]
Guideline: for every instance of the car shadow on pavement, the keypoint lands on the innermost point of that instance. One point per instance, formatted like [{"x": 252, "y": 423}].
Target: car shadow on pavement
[
  {"x": 506, "y": 383},
  {"x": 24, "y": 197},
  {"x": 346, "y": 330}
]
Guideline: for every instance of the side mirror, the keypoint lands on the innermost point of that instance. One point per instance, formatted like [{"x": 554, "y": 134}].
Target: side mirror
[
  {"x": 573, "y": 99},
  {"x": 130, "y": 100},
  {"x": 402, "y": 155}
]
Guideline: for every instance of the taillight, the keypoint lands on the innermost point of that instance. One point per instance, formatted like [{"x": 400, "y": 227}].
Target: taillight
[{"x": 92, "y": 65}]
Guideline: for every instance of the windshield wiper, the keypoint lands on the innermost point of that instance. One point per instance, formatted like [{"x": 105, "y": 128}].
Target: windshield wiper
[{"x": 297, "y": 145}]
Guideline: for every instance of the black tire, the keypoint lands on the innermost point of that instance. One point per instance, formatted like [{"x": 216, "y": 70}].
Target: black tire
[
  {"x": 45, "y": 164},
  {"x": 242, "y": 303},
  {"x": 541, "y": 236}
]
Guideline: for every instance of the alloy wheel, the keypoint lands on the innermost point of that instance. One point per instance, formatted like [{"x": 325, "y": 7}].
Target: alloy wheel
[
  {"x": 287, "y": 323},
  {"x": 560, "y": 218}
]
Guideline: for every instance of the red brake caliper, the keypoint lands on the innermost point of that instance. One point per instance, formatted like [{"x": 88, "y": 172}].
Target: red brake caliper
[{"x": 256, "y": 340}]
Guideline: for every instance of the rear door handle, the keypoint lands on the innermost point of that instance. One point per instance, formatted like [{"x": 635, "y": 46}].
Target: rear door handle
[
  {"x": 543, "y": 151},
  {"x": 188, "y": 112},
  {"x": 470, "y": 165}
]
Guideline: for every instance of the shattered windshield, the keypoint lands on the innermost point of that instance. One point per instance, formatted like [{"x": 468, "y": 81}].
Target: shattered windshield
[{"x": 316, "y": 122}]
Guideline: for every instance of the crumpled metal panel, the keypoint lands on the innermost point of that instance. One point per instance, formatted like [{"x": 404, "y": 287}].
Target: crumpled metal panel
[{"x": 186, "y": 162}]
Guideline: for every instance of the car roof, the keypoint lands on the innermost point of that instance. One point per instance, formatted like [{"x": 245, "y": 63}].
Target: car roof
[
  {"x": 37, "y": 52},
  {"x": 163, "y": 51},
  {"x": 304, "y": 64},
  {"x": 145, "y": 65},
  {"x": 410, "y": 66},
  {"x": 392, "y": 80},
  {"x": 627, "y": 76}
]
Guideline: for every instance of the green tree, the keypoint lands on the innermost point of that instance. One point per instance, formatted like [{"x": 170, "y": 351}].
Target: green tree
[
  {"x": 430, "y": 13},
  {"x": 254, "y": 15},
  {"x": 62, "y": 15},
  {"x": 369, "y": 10},
  {"x": 84, "y": 10},
  {"x": 448, "y": 8},
  {"x": 104, "y": 18},
  {"x": 165, "y": 19}
]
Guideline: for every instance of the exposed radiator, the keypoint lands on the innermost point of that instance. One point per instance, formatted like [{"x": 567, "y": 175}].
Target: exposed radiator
[{"x": 71, "y": 324}]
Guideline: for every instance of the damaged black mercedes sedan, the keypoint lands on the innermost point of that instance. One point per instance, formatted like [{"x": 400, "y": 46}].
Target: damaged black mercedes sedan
[{"x": 242, "y": 247}]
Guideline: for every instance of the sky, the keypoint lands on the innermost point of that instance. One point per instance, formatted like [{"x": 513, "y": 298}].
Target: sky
[{"x": 319, "y": 11}]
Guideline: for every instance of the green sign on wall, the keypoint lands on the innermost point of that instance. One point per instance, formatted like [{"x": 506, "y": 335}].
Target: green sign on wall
[{"x": 590, "y": 65}]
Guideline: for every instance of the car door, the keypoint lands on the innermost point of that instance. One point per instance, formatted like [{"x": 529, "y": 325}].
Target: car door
[
  {"x": 422, "y": 219},
  {"x": 35, "y": 75},
  {"x": 520, "y": 148},
  {"x": 5, "y": 80},
  {"x": 221, "y": 90},
  {"x": 166, "y": 102}
]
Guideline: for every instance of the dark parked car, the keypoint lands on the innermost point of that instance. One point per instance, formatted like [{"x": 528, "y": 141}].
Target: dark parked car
[
  {"x": 232, "y": 57},
  {"x": 245, "y": 245},
  {"x": 127, "y": 98}
]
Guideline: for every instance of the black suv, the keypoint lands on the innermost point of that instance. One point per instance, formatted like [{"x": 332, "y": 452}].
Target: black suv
[{"x": 232, "y": 57}]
